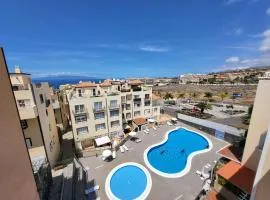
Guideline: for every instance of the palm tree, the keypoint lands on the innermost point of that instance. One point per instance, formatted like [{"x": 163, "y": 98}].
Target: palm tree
[
  {"x": 204, "y": 106},
  {"x": 168, "y": 96},
  {"x": 181, "y": 95},
  {"x": 208, "y": 95},
  {"x": 223, "y": 95}
]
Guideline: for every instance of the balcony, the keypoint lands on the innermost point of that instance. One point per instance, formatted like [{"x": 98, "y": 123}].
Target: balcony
[
  {"x": 137, "y": 100},
  {"x": 28, "y": 112},
  {"x": 147, "y": 102},
  {"x": 114, "y": 106},
  {"x": 79, "y": 112},
  {"x": 125, "y": 90},
  {"x": 55, "y": 104},
  {"x": 99, "y": 109}
]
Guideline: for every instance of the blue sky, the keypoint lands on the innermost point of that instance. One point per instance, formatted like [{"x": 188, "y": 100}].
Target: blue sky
[{"x": 106, "y": 38}]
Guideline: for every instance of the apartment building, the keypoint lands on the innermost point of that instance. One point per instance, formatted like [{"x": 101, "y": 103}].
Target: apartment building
[
  {"x": 17, "y": 179},
  {"x": 36, "y": 114},
  {"x": 99, "y": 110},
  {"x": 250, "y": 177}
]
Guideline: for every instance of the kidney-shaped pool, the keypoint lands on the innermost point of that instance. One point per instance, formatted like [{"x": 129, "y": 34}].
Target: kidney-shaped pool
[{"x": 172, "y": 157}]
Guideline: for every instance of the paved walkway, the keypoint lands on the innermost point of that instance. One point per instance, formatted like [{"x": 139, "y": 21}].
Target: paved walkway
[{"x": 183, "y": 188}]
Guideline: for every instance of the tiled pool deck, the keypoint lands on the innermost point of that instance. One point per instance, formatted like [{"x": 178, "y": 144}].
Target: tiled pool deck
[{"x": 183, "y": 188}]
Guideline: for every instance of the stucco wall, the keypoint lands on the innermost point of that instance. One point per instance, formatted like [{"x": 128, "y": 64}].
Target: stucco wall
[
  {"x": 33, "y": 132},
  {"x": 259, "y": 123},
  {"x": 17, "y": 180}
]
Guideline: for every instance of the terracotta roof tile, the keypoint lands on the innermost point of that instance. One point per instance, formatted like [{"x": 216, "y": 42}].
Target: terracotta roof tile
[
  {"x": 135, "y": 82},
  {"x": 85, "y": 84},
  {"x": 230, "y": 152},
  {"x": 105, "y": 83},
  {"x": 238, "y": 175},
  {"x": 140, "y": 121}
]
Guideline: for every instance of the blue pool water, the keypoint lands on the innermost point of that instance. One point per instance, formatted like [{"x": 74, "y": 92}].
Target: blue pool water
[
  {"x": 128, "y": 182},
  {"x": 171, "y": 156}
]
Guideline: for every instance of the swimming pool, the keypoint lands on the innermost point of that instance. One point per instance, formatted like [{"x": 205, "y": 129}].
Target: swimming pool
[
  {"x": 128, "y": 181},
  {"x": 172, "y": 157}
]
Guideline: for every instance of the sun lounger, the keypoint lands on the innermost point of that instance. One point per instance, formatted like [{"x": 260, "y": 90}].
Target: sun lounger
[
  {"x": 125, "y": 147},
  {"x": 154, "y": 128},
  {"x": 92, "y": 189},
  {"x": 198, "y": 172},
  {"x": 169, "y": 123},
  {"x": 114, "y": 154},
  {"x": 205, "y": 175},
  {"x": 138, "y": 140},
  {"x": 146, "y": 131},
  {"x": 122, "y": 149}
]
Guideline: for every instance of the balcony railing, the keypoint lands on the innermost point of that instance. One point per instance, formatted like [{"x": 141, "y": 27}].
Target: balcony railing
[
  {"x": 114, "y": 106},
  {"x": 125, "y": 90},
  {"x": 137, "y": 99},
  {"x": 147, "y": 102},
  {"x": 99, "y": 109},
  {"x": 78, "y": 112}
]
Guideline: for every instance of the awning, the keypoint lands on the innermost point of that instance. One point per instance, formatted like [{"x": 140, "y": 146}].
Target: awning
[
  {"x": 230, "y": 152},
  {"x": 151, "y": 120},
  {"x": 238, "y": 175},
  {"x": 174, "y": 119},
  {"x": 132, "y": 134},
  {"x": 102, "y": 140},
  {"x": 106, "y": 153}
]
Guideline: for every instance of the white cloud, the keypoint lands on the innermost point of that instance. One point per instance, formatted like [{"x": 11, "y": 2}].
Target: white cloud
[
  {"x": 265, "y": 44},
  {"x": 230, "y": 2},
  {"x": 268, "y": 11},
  {"x": 238, "y": 31},
  {"x": 233, "y": 59},
  {"x": 154, "y": 49}
]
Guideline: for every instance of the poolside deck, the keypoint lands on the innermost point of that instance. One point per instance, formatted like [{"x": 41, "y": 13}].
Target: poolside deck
[{"x": 186, "y": 187}]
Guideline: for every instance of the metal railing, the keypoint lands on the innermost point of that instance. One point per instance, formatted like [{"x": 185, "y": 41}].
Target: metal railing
[{"x": 99, "y": 109}]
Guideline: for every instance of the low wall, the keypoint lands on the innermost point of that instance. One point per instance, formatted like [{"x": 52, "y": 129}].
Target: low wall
[{"x": 231, "y": 135}]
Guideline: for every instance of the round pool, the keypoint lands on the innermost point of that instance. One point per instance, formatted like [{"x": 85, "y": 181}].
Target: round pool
[{"x": 128, "y": 181}]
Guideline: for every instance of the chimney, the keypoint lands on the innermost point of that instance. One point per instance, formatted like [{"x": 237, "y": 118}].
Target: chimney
[{"x": 17, "y": 69}]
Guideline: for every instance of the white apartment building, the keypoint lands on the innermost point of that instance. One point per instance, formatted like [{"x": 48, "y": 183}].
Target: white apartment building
[
  {"x": 99, "y": 110},
  {"x": 37, "y": 115}
]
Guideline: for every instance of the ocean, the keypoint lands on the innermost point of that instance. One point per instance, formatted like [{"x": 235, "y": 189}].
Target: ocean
[{"x": 55, "y": 83}]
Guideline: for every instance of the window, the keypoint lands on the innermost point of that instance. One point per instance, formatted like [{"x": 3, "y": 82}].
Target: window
[
  {"x": 80, "y": 93},
  {"x": 79, "y": 108},
  {"x": 114, "y": 113},
  {"x": 128, "y": 106},
  {"x": 137, "y": 105},
  {"x": 28, "y": 142},
  {"x": 24, "y": 124},
  {"x": 129, "y": 97},
  {"x": 137, "y": 113},
  {"x": 155, "y": 109},
  {"x": 113, "y": 103},
  {"x": 128, "y": 115},
  {"x": 147, "y": 111},
  {"x": 115, "y": 123},
  {"x": 47, "y": 112},
  {"x": 147, "y": 96},
  {"x": 98, "y": 105},
  {"x": 123, "y": 99},
  {"x": 82, "y": 130},
  {"x": 100, "y": 115},
  {"x": 94, "y": 92},
  {"x": 136, "y": 96},
  {"x": 100, "y": 126},
  {"x": 80, "y": 118},
  {"x": 41, "y": 98},
  {"x": 23, "y": 103}
]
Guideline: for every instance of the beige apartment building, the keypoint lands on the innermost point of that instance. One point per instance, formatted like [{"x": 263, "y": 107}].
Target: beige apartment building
[
  {"x": 251, "y": 175},
  {"x": 99, "y": 110},
  {"x": 37, "y": 115}
]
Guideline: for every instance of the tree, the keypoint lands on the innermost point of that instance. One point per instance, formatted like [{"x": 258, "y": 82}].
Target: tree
[
  {"x": 204, "y": 106},
  {"x": 168, "y": 96},
  {"x": 223, "y": 95},
  {"x": 193, "y": 95},
  {"x": 208, "y": 95},
  {"x": 181, "y": 95}
]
